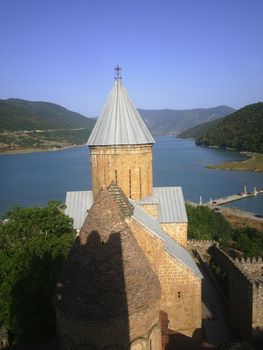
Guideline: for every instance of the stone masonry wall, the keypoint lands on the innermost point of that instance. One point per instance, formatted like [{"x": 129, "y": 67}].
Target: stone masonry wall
[
  {"x": 180, "y": 287},
  {"x": 142, "y": 328},
  {"x": 152, "y": 209},
  {"x": 177, "y": 231},
  {"x": 245, "y": 303},
  {"x": 129, "y": 166}
]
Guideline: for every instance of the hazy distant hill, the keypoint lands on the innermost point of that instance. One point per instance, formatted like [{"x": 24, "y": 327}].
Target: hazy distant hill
[
  {"x": 242, "y": 130},
  {"x": 17, "y": 114},
  {"x": 40, "y": 125},
  {"x": 172, "y": 122},
  {"x": 198, "y": 130}
]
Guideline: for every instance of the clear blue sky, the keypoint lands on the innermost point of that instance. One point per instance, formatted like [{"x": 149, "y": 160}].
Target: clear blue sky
[{"x": 174, "y": 53}]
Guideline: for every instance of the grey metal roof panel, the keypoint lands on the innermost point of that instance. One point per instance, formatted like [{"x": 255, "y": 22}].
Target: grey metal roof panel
[
  {"x": 119, "y": 122},
  {"x": 171, "y": 204},
  {"x": 78, "y": 203},
  {"x": 170, "y": 245}
]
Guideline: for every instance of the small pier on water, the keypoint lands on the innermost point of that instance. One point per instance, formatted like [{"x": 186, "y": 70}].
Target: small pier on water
[{"x": 232, "y": 198}]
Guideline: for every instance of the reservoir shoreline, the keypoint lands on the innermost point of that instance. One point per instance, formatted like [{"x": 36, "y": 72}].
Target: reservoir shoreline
[
  {"x": 38, "y": 150},
  {"x": 29, "y": 179}
]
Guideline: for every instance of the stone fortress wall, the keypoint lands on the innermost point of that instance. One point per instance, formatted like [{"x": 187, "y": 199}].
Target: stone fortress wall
[{"x": 245, "y": 289}]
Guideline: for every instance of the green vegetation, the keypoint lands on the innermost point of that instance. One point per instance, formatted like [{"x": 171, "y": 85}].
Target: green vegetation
[
  {"x": 249, "y": 241},
  {"x": 198, "y": 130},
  {"x": 17, "y": 114},
  {"x": 26, "y": 125},
  {"x": 34, "y": 242},
  {"x": 241, "y": 130},
  {"x": 254, "y": 163},
  {"x": 204, "y": 224}
]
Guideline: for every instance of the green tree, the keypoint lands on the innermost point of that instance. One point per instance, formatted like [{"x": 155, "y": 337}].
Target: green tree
[
  {"x": 33, "y": 246},
  {"x": 249, "y": 241},
  {"x": 204, "y": 224}
]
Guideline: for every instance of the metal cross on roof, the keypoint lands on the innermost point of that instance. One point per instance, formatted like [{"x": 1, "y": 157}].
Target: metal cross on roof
[{"x": 117, "y": 72}]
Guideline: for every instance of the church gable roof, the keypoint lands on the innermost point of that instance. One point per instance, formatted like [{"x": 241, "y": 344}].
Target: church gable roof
[
  {"x": 170, "y": 245},
  {"x": 170, "y": 201},
  {"x": 119, "y": 122},
  {"x": 76, "y": 201},
  {"x": 106, "y": 269}
]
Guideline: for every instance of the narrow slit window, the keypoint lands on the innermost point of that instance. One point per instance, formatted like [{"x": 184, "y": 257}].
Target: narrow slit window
[
  {"x": 130, "y": 183},
  {"x": 179, "y": 294},
  {"x": 116, "y": 176},
  {"x": 140, "y": 181}
]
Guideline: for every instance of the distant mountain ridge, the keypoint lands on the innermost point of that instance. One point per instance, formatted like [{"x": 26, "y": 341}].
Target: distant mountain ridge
[
  {"x": 44, "y": 125},
  {"x": 172, "y": 122}
]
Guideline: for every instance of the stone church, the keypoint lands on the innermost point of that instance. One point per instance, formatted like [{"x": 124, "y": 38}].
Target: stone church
[{"x": 129, "y": 265}]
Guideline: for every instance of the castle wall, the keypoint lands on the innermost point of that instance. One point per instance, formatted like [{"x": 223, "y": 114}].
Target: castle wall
[
  {"x": 245, "y": 302},
  {"x": 178, "y": 231},
  {"x": 130, "y": 166},
  {"x": 180, "y": 287}
]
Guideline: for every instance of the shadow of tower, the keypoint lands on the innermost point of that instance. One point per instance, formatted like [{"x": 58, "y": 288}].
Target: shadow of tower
[{"x": 101, "y": 299}]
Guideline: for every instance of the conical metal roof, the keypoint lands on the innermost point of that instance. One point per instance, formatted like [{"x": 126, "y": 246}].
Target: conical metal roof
[{"x": 119, "y": 122}]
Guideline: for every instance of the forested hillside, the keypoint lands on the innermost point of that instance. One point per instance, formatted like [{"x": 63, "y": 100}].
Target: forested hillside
[
  {"x": 28, "y": 125},
  {"x": 198, "y": 130},
  {"x": 242, "y": 130},
  {"x": 17, "y": 114}
]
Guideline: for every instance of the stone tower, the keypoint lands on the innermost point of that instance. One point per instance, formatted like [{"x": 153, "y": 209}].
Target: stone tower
[
  {"x": 108, "y": 296},
  {"x": 121, "y": 146}
]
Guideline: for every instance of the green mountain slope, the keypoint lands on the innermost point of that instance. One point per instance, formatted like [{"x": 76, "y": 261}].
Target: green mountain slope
[
  {"x": 198, "y": 130},
  {"x": 17, "y": 114},
  {"x": 27, "y": 125},
  {"x": 242, "y": 130},
  {"x": 173, "y": 122}
]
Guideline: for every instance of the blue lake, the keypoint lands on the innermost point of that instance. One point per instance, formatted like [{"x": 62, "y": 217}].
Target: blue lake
[{"x": 35, "y": 178}]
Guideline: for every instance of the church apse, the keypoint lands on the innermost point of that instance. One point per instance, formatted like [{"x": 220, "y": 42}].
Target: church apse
[{"x": 108, "y": 296}]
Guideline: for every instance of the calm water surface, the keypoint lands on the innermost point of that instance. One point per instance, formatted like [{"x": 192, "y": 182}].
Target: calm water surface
[{"x": 33, "y": 179}]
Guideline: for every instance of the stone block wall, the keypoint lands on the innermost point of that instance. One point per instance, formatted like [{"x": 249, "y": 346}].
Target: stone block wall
[
  {"x": 180, "y": 295},
  {"x": 257, "y": 311},
  {"x": 130, "y": 166},
  {"x": 144, "y": 328},
  {"x": 151, "y": 209},
  {"x": 201, "y": 245},
  {"x": 180, "y": 287},
  {"x": 245, "y": 302},
  {"x": 178, "y": 231}
]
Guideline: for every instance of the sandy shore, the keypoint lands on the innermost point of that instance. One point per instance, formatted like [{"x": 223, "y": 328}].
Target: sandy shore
[
  {"x": 254, "y": 163},
  {"x": 38, "y": 150},
  {"x": 239, "y": 218}
]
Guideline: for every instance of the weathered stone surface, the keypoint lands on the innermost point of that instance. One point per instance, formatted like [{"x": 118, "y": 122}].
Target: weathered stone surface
[
  {"x": 108, "y": 293},
  {"x": 130, "y": 166},
  {"x": 245, "y": 293},
  {"x": 178, "y": 231},
  {"x": 180, "y": 287}
]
